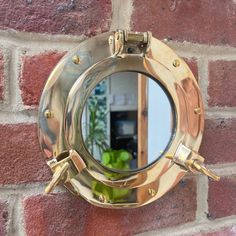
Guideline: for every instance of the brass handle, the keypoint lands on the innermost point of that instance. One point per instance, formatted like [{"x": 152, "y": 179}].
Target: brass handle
[
  {"x": 201, "y": 168},
  {"x": 195, "y": 163},
  {"x": 57, "y": 177}
]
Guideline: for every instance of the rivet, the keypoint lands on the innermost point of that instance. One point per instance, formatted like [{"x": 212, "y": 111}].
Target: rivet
[
  {"x": 102, "y": 198},
  {"x": 176, "y": 63},
  {"x": 197, "y": 111},
  {"x": 152, "y": 192},
  {"x": 48, "y": 114},
  {"x": 76, "y": 59}
]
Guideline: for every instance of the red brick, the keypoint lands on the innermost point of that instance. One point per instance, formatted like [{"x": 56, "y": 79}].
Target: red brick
[
  {"x": 63, "y": 214},
  {"x": 3, "y": 218},
  {"x": 219, "y": 141},
  {"x": 35, "y": 72},
  {"x": 192, "y": 63},
  {"x": 229, "y": 231},
  {"x": 222, "y": 197},
  {"x": 222, "y": 83},
  {"x": 20, "y": 156},
  {"x": 87, "y": 17},
  {"x": 1, "y": 76},
  {"x": 207, "y": 22}
]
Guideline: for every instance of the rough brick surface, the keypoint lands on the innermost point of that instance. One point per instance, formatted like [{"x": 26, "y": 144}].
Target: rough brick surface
[
  {"x": 208, "y": 22},
  {"x": 35, "y": 72},
  {"x": 222, "y": 198},
  {"x": 63, "y": 214},
  {"x": 219, "y": 141},
  {"x": 1, "y": 76},
  {"x": 228, "y": 231},
  {"x": 20, "y": 157},
  {"x": 87, "y": 17},
  {"x": 222, "y": 83},
  {"x": 192, "y": 63},
  {"x": 3, "y": 217}
]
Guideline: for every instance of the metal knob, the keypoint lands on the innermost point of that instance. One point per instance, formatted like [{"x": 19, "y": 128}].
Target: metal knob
[
  {"x": 57, "y": 177},
  {"x": 194, "y": 164},
  {"x": 192, "y": 161}
]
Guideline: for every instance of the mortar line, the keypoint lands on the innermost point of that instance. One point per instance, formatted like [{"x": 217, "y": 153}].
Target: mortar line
[
  {"x": 121, "y": 14},
  {"x": 30, "y": 116},
  {"x": 10, "y": 208},
  {"x": 63, "y": 42},
  {"x": 210, "y": 52},
  {"x": 202, "y": 196},
  {"x": 26, "y": 190},
  {"x": 193, "y": 227},
  {"x": 19, "y": 218},
  {"x": 203, "y": 80},
  {"x": 190, "y": 50},
  {"x": 37, "y": 40},
  {"x": 16, "y": 228},
  {"x": 15, "y": 97},
  {"x": 6, "y": 70},
  {"x": 218, "y": 113},
  {"x": 224, "y": 170},
  {"x": 18, "y": 117}
]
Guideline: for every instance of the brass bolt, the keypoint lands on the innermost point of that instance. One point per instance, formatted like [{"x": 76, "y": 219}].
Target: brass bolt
[
  {"x": 197, "y": 111},
  {"x": 48, "y": 114},
  {"x": 152, "y": 192},
  {"x": 76, "y": 59},
  {"x": 102, "y": 198},
  {"x": 176, "y": 63}
]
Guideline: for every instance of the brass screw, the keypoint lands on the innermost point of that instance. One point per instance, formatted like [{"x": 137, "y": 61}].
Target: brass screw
[
  {"x": 169, "y": 156},
  {"x": 110, "y": 40},
  {"x": 76, "y": 59},
  {"x": 176, "y": 63},
  {"x": 102, "y": 198},
  {"x": 197, "y": 111},
  {"x": 48, "y": 114},
  {"x": 151, "y": 192}
]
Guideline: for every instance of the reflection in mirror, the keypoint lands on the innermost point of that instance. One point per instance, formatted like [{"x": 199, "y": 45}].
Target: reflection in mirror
[{"x": 127, "y": 121}]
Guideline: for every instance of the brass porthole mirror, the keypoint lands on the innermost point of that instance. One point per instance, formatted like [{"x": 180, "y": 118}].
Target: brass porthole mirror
[{"x": 121, "y": 120}]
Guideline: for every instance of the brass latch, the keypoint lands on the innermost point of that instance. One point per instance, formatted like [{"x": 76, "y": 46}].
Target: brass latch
[
  {"x": 73, "y": 163},
  {"x": 124, "y": 42},
  {"x": 192, "y": 161}
]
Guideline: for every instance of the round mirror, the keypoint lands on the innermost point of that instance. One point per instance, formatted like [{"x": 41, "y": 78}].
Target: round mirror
[{"x": 127, "y": 121}]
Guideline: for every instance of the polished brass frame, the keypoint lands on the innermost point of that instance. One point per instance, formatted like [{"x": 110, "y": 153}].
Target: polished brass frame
[{"x": 65, "y": 94}]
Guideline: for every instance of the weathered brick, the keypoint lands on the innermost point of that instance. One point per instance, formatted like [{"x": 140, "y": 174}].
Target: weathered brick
[
  {"x": 35, "y": 72},
  {"x": 63, "y": 214},
  {"x": 87, "y": 17},
  {"x": 219, "y": 141},
  {"x": 3, "y": 218},
  {"x": 1, "y": 76},
  {"x": 228, "y": 231},
  {"x": 222, "y": 197},
  {"x": 222, "y": 83},
  {"x": 20, "y": 156},
  {"x": 192, "y": 63},
  {"x": 208, "y": 22}
]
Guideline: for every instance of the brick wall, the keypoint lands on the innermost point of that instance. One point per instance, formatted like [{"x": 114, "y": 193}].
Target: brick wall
[{"x": 34, "y": 35}]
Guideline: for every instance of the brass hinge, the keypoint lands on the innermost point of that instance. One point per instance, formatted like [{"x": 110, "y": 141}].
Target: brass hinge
[
  {"x": 192, "y": 161},
  {"x": 73, "y": 163},
  {"x": 124, "y": 42}
]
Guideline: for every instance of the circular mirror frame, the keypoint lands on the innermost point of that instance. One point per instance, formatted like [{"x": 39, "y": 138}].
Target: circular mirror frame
[
  {"x": 61, "y": 107},
  {"x": 77, "y": 105}
]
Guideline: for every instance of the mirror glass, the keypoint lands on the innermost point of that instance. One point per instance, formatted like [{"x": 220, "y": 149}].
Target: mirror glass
[{"x": 127, "y": 121}]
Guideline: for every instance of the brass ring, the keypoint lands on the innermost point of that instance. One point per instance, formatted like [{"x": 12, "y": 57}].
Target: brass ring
[{"x": 65, "y": 94}]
